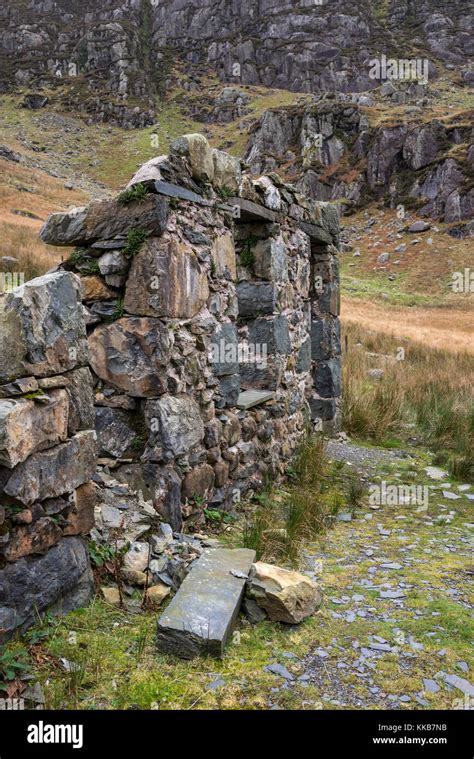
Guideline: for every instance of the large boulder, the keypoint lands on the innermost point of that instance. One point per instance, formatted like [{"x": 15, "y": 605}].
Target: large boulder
[
  {"x": 27, "y": 427},
  {"x": 196, "y": 149},
  {"x": 284, "y": 595},
  {"x": 58, "y": 582},
  {"x": 227, "y": 172},
  {"x": 42, "y": 329},
  {"x": 54, "y": 472},
  {"x": 166, "y": 280},
  {"x": 132, "y": 354}
]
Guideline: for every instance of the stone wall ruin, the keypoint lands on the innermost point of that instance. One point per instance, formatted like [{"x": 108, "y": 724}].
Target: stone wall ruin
[{"x": 210, "y": 300}]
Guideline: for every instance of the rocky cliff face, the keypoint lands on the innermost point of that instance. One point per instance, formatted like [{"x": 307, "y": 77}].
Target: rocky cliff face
[
  {"x": 128, "y": 46},
  {"x": 335, "y": 153}
]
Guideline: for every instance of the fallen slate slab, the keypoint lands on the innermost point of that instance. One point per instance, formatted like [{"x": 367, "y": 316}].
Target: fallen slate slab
[{"x": 202, "y": 615}]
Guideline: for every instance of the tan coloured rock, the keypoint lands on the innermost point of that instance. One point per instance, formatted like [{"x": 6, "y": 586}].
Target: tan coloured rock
[
  {"x": 227, "y": 172},
  {"x": 111, "y": 595},
  {"x": 156, "y": 595},
  {"x": 27, "y": 427},
  {"x": 94, "y": 288},
  {"x": 133, "y": 576},
  {"x": 166, "y": 280},
  {"x": 80, "y": 519},
  {"x": 35, "y": 538},
  {"x": 286, "y": 596},
  {"x": 132, "y": 354},
  {"x": 198, "y": 152},
  {"x": 223, "y": 256},
  {"x": 198, "y": 481}
]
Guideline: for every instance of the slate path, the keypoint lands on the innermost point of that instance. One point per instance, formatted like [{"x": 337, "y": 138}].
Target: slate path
[{"x": 397, "y": 584}]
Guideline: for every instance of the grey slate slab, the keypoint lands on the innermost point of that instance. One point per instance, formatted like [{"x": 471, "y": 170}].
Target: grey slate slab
[
  {"x": 249, "y": 398},
  {"x": 250, "y": 211},
  {"x": 202, "y": 615}
]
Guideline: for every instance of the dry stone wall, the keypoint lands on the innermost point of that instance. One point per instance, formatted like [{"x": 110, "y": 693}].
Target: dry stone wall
[
  {"x": 187, "y": 344},
  {"x": 211, "y": 304},
  {"x": 48, "y": 451}
]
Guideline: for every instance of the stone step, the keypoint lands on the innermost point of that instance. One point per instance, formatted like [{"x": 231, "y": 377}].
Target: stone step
[{"x": 202, "y": 615}]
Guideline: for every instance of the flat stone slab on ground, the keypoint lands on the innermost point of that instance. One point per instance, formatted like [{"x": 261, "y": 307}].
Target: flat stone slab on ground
[{"x": 202, "y": 615}]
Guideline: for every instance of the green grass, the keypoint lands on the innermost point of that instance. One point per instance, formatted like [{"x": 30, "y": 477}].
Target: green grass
[
  {"x": 117, "y": 666},
  {"x": 135, "y": 194},
  {"x": 135, "y": 239}
]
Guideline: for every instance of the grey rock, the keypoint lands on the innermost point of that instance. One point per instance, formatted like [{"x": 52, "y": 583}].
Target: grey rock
[
  {"x": 460, "y": 684},
  {"x": 54, "y": 472},
  {"x": 202, "y": 615},
  {"x": 327, "y": 378},
  {"x": 175, "y": 423},
  {"x": 114, "y": 433},
  {"x": 256, "y": 298},
  {"x": 42, "y": 328},
  {"x": 80, "y": 390},
  {"x": 280, "y": 670},
  {"x": 431, "y": 686},
  {"x": 272, "y": 332},
  {"x": 223, "y": 350},
  {"x": 253, "y": 611},
  {"x": 105, "y": 219},
  {"x": 419, "y": 226},
  {"x": 58, "y": 582}
]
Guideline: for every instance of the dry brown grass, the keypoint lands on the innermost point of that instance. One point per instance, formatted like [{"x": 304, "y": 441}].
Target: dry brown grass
[
  {"x": 444, "y": 328},
  {"x": 33, "y": 256},
  {"x": 427, "y": 397},
  {"x": 32, "y": 192}
]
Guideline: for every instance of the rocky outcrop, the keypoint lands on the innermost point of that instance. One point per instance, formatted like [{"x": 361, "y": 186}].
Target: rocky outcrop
[
  {"x": 337, "y": 155},
  {"x": 107, "y": 53}
]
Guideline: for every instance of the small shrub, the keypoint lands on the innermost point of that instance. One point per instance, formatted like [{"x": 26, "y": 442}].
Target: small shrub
[
  {"x": 13, "y": 665},
  {"x": 247, "y": 257},
  {"x": 135, "y": 194},
  {"x": 135, "y": 239}
]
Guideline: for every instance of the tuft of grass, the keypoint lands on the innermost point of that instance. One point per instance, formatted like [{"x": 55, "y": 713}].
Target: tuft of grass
[
  {"x": 118, "y": 311},
  {"x": 135, "y": 194},
  {"x": 135, "y": 239},
  {"x": 285, "y": 520}
]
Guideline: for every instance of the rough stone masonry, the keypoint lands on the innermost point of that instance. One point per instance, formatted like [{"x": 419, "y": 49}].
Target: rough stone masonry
[
  {"x": 211, "y": 343},
  {"x": 47, "y": 451}
]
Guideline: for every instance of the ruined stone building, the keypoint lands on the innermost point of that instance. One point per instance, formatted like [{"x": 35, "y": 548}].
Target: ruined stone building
[{"x": 189, "y": 342}]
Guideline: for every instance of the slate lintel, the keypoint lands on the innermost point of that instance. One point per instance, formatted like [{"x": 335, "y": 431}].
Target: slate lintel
[
  {"x": 250, "y": 398},
  {"x": 250, "y": 211}
]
